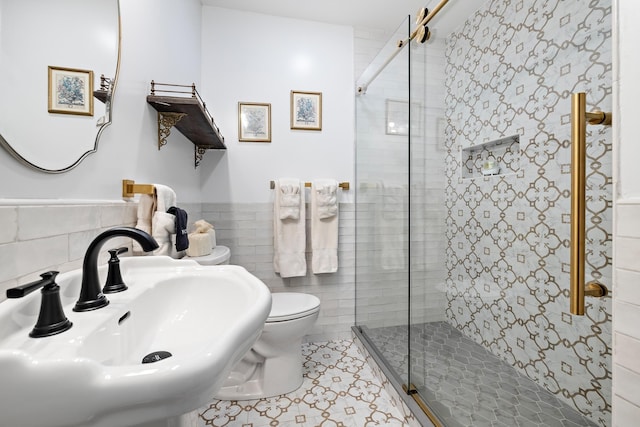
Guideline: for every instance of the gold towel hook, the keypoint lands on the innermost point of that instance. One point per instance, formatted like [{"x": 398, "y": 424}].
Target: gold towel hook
[{"x": 130, "y": 188}]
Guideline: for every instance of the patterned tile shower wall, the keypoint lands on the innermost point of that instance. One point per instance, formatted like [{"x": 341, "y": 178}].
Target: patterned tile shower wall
[{"x": 510, "y": 71}]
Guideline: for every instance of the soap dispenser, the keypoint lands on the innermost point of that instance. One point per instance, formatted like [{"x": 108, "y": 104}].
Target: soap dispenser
[{"x": 114, "y": 278}]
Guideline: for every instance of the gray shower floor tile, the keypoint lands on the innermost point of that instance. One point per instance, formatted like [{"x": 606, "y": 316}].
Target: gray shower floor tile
[{"x": 466, "y": 385}]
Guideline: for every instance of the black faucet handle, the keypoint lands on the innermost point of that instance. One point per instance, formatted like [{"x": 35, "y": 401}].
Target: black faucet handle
[
  {"x": 51, "y": 319},
  {"x": 115, "y": 252},
  {"x": 47, "y": 280},
  {"x": 114, "y": 277}
]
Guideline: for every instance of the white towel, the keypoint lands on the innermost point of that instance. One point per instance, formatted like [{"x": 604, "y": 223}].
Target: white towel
[
  {"x": 165, "y": 197},
  {"x": 163, "y": 225},
  {"x": 289, "y": 239},
  {"x": 146, "y": 208},
  {"x": 290, "y": 198},
  {"x": 154, "y": 219},
  {"x": 164, "y": 230},
  {"x": 326, "y": 198},
  {"x": 324, "y": 226}
]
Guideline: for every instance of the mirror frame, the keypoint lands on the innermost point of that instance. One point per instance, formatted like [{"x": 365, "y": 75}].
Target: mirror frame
[{"x": 108, "y": 106}]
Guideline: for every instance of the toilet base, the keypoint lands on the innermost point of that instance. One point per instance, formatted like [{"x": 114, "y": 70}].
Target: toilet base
[
  {"x": 274, "y": 365},
  {"x": 255, "y": 377}
]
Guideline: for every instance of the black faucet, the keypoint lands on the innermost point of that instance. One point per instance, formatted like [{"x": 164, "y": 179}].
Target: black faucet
[
  {"x": 51, "y": 319},
  {"x": 91, "y": 296}
]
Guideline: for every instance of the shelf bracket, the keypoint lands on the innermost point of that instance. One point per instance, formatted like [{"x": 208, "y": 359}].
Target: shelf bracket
[
  {"x": 198, "y": 153},
  {"x": 165, "y": 122}
]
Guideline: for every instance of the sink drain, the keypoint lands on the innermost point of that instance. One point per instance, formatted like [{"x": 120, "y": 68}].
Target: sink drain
[{"x": 156, "y": 356}]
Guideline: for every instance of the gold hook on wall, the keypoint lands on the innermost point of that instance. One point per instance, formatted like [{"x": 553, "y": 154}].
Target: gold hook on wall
[
  {"x": 579, "y": 120},
  {"x": 130, "y": 188}
]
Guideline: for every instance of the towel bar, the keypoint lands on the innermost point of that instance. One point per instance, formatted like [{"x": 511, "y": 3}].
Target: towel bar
[
  {"x": 343, "y": 185},
  {"x": 578, "y": 289}
]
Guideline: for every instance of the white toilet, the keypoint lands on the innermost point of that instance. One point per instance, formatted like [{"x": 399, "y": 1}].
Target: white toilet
[{"x": 274, "y": 364}]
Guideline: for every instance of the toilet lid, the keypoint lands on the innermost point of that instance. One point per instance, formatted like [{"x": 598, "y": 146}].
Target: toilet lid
[
  {"x": 219, "y": 255},
  {"x": 292, "y": 305}
]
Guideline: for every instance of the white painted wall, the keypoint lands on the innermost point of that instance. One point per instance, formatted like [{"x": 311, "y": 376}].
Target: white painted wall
[
  {"x": 152, "y": 48},
  {"x": 628, "y": 95},
  {"x": 252, "y": 57},
  {"x": 626, "y": 290}
]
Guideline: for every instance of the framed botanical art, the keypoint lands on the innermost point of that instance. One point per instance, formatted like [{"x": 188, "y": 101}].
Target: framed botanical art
[
  {"x": 254, "y": 122},
  {"x": 70, "y": 91},
  {"x": 306, "y": 110}
]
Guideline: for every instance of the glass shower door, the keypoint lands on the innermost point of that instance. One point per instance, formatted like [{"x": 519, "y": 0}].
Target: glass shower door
[{"x": 382, "y": 206}]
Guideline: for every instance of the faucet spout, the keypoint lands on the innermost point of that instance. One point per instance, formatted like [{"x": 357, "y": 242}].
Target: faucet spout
[{"x": 91, "y": 296}]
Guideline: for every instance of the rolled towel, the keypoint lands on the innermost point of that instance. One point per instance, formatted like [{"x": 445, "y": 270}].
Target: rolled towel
[
  {"x": 202, "y": 226},
  {"x": 200, "y": 240},
  {"x": 326, "y": 198},
  {"x": 289, "y": 199},
  {"x": 199, "y": 244}
]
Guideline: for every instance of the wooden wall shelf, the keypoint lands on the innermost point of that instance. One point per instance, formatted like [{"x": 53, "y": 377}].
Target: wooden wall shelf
[
  {"x": 189, "y": 115},
  {"x": 101, "y": 95},
  {"x": 105, "y": 88}
]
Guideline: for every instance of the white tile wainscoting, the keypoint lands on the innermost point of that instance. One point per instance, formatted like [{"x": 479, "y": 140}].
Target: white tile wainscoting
[
  {"x": 38, "y": 236},
  {"x": 626, "y": 317},
  {"x": 41, "y": 235}
]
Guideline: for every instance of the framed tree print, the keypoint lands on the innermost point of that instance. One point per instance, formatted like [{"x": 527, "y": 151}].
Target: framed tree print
[
  {"x": 254, "y": 122},
  {"x": 70, "y": 91},
  {"x": 306, "y": 110}
]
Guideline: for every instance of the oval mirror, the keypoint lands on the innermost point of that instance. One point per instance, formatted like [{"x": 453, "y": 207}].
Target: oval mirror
[{"x": 54, "y": 104}]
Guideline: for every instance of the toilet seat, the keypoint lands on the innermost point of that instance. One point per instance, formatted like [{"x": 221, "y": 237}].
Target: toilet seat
[{"x": 292, "y": 305}]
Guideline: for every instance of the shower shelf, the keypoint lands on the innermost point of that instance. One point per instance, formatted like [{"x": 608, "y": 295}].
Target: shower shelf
[{"x": 503, "y": 152}]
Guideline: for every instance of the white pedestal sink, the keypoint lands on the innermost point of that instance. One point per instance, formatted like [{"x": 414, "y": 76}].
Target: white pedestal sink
[{"x": 93, "y": 375}]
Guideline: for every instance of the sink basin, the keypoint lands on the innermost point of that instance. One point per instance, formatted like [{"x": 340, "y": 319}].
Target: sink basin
[{"x": 207, "y": 318}]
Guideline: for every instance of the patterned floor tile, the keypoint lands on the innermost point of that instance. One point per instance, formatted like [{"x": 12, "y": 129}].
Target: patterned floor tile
[{"x": 339, "y": 390}]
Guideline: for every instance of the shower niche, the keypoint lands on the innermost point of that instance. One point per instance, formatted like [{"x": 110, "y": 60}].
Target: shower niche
[{"x": 497, "y": 157}]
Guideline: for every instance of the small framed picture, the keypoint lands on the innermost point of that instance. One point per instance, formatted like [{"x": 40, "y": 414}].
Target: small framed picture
[
  {"x": 306, "y": 110},
  {"x": 254, "y": 122},
  {"x": 70, "y": 91}
]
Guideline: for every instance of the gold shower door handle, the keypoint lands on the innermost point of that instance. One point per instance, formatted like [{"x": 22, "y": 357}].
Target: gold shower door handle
[{"x": 579, "y": 119}]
